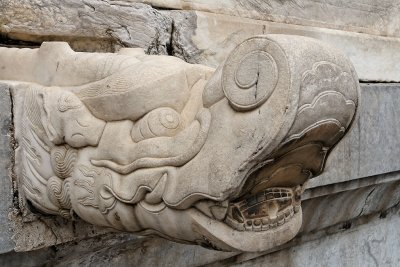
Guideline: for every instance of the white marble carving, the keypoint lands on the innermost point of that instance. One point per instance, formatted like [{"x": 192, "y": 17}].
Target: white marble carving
[{"x": 157, "y": 146}]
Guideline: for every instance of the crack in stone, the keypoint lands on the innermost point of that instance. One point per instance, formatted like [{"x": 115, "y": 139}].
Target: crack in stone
[
  {"x": 13, "y": 145},
  {"x": 371, "y": 254},
  {"x": 89, "y": 5},
  {"x": 170, "y": 47},
  {"x": 366, "y": 201}
]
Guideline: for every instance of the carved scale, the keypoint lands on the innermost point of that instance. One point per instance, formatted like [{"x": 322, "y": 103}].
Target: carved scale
[{"x": 154, "y": 145}]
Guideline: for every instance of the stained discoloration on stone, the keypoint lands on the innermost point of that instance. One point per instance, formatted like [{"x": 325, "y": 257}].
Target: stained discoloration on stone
[
  {"x": 184, "y": 25},
  {"x": 367, "y": 16},
  {"x": 88, "y": 25}
]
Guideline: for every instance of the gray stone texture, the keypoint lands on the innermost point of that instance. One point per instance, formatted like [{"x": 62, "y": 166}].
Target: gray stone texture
[
  {"x": 333, "y": 208},
  {"x": 6, "y": 164},
  {"x": 207, "y": 37},
  {"x": 213, "y": 36},
  {"x": 372, "y": 146},
  {"x": 372, "y": 244},
  {"x": 367, "y": 16},
  {"x": 88, "y": 25},
  {"x": 348, "y": 243},
  {"x": 334, "y": 214}
]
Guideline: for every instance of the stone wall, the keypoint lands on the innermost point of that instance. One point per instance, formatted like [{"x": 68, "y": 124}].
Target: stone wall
[
  {"x": 350, "y": 212},
  {"x": 204, "y": 32}
]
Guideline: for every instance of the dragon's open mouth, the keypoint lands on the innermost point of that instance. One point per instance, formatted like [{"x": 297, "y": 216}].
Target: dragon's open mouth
[{"x": 264, "y": 210}]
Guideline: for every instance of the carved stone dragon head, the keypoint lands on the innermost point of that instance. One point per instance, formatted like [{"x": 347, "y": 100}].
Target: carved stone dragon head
[{"x": 154, "y": 145}]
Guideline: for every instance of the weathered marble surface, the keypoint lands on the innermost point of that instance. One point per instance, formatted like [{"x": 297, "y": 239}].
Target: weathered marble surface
[
  {"x": 373, "y": 145},
  {"x": 374, "y": 194},
  {"x": 27, "y": 233},
  {"x": 207, "y": 38},
  {"x": 367, "y": 16},
  {"x": 6, "y": 164},
  {"x": 132, "y": 141},
  {"x": 387, "y": 96},
  {"x": 372, "y": 244},
  {"x": 361, "y": 196},
  {"x": 362, "y": 207},
  {"x": 88, "y": 25}
]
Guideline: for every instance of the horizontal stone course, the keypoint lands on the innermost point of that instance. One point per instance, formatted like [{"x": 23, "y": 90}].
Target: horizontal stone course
[
  {"x": 372, "y": 145},
  {"x": 367, "y": 16},
  {"x": 372, "y": 244},
  {"x": 89, "y": 25},
  {"x": 208, "y": 38}
]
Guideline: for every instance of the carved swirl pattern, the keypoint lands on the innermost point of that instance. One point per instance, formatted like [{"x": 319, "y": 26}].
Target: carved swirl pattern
[
  {"x": 66, "y": 102},
  {"x": 58, "y": 192},
  {"x": 63, "y": 160},
  {"x": 327, "y": 106},
  {"x": 251, "y": 73}
]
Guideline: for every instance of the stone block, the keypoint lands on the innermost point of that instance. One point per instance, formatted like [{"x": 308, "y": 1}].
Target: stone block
[
  {"x": 6, "y": 165},
  {"x": 372, "y": 244},
  {"x": 368, "y": 16},
  {"x": 89, "y": 25},
  {"x": 207, "y": 38},
  {"x": 372, "y": 146}
]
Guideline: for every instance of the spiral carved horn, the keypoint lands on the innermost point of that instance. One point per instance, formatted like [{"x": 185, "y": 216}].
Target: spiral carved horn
[{"x": 252, "y": 71}]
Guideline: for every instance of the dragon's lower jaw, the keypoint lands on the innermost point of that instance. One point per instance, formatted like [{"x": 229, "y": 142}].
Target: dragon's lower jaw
[
  {"x": 221, "y": 235},
  {"x": 256, "y": 222},
  {"x": 252, "y": 223}
]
